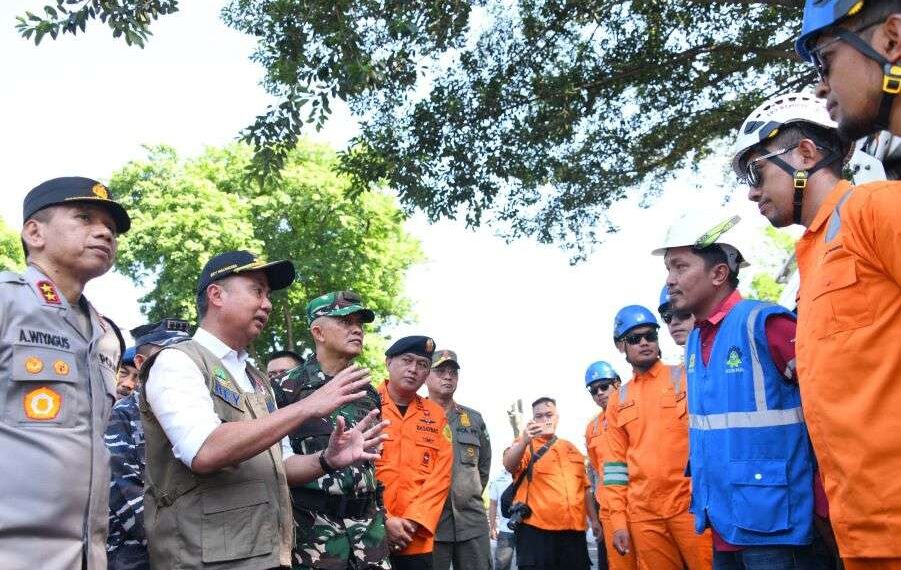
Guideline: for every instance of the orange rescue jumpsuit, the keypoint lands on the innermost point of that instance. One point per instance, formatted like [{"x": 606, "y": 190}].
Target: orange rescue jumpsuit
[
  {"x": 415, "y": 466},
  {"x": 644, "y": 477},
  {"x": 849, "y": 366},
  {"x": 598, "y": 452}
]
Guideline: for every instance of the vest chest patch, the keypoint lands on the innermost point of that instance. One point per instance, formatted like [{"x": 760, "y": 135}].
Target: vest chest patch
[
  {"x": 229, "y": 396},
  {"x": 734, "y": 361}
]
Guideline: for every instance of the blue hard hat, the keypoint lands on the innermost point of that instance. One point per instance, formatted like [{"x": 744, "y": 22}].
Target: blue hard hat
[
  {"x": 664, "y": 299},
  {"x": 128, "y": 357},
  {"x": 599, "y": 370},
  {"x": 630, "y": 317},
  {"x": 819, "y": 15}
]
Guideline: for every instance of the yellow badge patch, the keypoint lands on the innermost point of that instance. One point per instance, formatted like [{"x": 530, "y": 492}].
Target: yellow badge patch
[
  {"x": 447, "y": 433},
  {"x": 464, "y": 420},
  {"x": 33, "y": 365},
  {"x": 48, "y": 291},
  {"x": 100, "y": 191},
  {"x": 61, "y": 368},
  {"x": 42, "y": 404},
  {"x": 471, "y": 451}
]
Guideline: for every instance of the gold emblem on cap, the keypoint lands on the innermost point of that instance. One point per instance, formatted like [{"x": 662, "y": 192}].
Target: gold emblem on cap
[
  {"x": 429, "y": 345},
  {"x": 100, "y": 191},
  {"x": 33, "y": 365}
]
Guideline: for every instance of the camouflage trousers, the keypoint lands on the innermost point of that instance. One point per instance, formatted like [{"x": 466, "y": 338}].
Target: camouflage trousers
[{"x": 329, "y": 543}]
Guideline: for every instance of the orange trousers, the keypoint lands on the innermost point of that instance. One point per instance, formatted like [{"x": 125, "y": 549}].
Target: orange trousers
[
  {"x": 615, "y": 560},
  {"x": 872, "y": 563},
  {"x": 672, "y": 544}
]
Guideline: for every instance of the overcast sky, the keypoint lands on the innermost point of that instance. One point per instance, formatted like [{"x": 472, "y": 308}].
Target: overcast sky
[{"x": 523, "y": 321}]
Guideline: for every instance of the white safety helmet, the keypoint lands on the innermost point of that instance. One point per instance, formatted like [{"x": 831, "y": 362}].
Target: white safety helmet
[
  {"x": 774, "y": 113},
  {"x": 701, "y": 228}
]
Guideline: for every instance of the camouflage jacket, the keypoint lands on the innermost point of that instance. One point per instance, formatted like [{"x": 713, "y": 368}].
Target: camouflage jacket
[
  {"x": 127, "y": 545},
  {"x": 313, "y": 435}
]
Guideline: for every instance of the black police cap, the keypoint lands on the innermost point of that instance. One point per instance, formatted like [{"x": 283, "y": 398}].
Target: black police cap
[
  {"x": 160, "y": 332},
  {"x": 418, "y": 345},
  {"x": 279, "y": 273},
  {"x": 75, "y": 189}
]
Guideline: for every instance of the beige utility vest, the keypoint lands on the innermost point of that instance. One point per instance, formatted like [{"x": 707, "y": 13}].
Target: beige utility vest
[{"x": 237, "y": 518}]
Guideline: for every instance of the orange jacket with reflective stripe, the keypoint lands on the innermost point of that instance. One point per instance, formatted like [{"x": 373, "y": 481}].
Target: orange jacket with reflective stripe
[
  {"x": 647, "y": 419},
  {"x": 556, "y": 493},
  {"x": 598, "y": 448},
  {"x": 415, "y": 466},
  {"x": 849, "y": 362}
]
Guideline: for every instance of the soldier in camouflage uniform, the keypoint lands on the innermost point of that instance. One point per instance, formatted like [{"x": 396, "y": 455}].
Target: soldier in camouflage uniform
[
  {"x": 126, "y": 546},
  {"x": 339, "y": 519}
]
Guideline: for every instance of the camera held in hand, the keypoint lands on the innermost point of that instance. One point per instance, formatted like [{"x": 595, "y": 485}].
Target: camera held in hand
[{"x": 518, "y": 513}]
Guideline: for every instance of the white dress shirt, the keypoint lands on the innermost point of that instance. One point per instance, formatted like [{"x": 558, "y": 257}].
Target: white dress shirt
[
  {"x": 177, "y": 392},
  {"x": 495, "y": 489}
]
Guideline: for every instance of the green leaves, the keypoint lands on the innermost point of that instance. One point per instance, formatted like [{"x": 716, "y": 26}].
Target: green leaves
[
  {"x": 185, "y": 211},
  {"x": 12, "y": 258},
  {"x": 129, "y": 19}
]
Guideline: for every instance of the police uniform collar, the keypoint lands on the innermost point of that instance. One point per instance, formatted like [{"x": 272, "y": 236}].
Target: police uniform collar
[{"x": 828, "y": 206}]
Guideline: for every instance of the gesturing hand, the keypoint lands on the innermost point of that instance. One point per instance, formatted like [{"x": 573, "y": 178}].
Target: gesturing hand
[
  {"x": 347, "y": 386},
  {"x": 358, "y": 444}
]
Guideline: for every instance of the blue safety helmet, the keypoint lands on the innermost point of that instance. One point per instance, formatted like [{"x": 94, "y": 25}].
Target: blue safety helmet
[
  {"x": 128, "y": 357},
  {"x": 664, "y": 299},
  {"x": 599, "y": 370},
  {"x": 819, "y": 15},
  {"x": 630, "y": 317}
]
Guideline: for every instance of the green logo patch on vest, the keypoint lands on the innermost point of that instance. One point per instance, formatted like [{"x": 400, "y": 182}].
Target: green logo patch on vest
[{"x": 734, "y": 360}]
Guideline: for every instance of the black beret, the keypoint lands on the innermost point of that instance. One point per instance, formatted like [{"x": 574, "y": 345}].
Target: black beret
[
  {"x": 418, "y": 345},
  {"x": 280, "y": 274},
  {"x": 75, "y": 189}
]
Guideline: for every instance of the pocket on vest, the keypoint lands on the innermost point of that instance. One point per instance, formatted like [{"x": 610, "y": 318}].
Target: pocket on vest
[
  {"x": 238, "y": 522},
  {"x": 759, "y": 495}
]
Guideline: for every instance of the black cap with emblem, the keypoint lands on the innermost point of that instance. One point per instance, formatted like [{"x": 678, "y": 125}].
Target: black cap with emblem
[
  {"x": 160, "y": 332},
  {"x": 280, "y": 274},
  {"x": 75, "y": 189},
  {"x": 418, "y": 345}
]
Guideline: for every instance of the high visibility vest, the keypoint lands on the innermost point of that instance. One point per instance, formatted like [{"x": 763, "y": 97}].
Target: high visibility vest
[{"x": 751, "y": 462}]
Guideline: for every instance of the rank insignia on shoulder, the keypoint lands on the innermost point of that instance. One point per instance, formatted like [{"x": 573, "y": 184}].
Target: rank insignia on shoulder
[
  {"x": 464, "y": 420},
  {"x": 48, "y": 292},
  {"x": 447, "y": 433}
]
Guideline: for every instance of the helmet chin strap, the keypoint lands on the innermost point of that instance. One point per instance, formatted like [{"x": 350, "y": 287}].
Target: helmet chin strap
[
  {"x": 801, "y": 177},
  {"x": 891, "y": 75}
]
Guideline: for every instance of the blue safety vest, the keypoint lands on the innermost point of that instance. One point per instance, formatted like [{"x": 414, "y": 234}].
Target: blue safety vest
[{"x": 751, "y": 462}]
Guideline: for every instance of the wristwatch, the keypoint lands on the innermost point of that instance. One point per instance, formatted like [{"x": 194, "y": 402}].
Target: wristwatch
[{"x": 323, "y": 463}]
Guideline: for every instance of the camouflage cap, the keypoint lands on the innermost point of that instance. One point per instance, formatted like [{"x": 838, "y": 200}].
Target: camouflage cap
[
  {"x": 338, "y": 304},
  {"x": 442, "y": 356}
]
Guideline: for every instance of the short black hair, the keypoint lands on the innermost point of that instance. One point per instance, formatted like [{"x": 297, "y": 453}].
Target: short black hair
[
  {"x": 544, "y": 400},
  {"x": 827, "y": 139},
  {"x": 203, "y": 303},
  {"x": 714, "y": 255},
  {"x": 42, "y": 216},
  {"x": 286, "y": 353}
]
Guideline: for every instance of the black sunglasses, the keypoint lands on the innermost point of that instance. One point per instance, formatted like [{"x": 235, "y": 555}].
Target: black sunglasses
[
  {"x": 635, "y": 338},
  {"x": 600, "y": 386},
  {"x": 668, "y": 316},
  {"x": 752, "y": 168}
]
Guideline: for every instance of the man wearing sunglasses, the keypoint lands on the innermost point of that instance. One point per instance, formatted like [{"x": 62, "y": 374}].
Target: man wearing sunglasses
[
  {"x": 601, "y": 380},
  {"x": 679, "y": 323},
  {"x": 855, "y": 46},
  {"x": 751, "y": 464},
  {"x": 644, "y": 476},
  {"x": 849, "y": 309},
  {"x": 339, "y": 521}
]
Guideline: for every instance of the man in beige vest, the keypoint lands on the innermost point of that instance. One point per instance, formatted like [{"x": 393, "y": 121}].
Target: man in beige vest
[{"x": 216, "y": 487}]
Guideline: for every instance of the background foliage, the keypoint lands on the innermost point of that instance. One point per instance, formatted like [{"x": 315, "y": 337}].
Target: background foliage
[{"x": 186, "y": 210}]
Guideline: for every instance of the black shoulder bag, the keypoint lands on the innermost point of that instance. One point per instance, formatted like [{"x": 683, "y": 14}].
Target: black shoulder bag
[{"x": 507, "y": 496}]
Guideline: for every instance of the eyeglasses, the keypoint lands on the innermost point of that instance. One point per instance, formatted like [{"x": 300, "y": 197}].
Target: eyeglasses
[
  {"x": 752, "y": 168},
  {"x": 848, "y": 36},
  {"x": 635, "y": 338},
  {"x": 600, "y": 386},
  {"x": 668, "y": 316}
]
